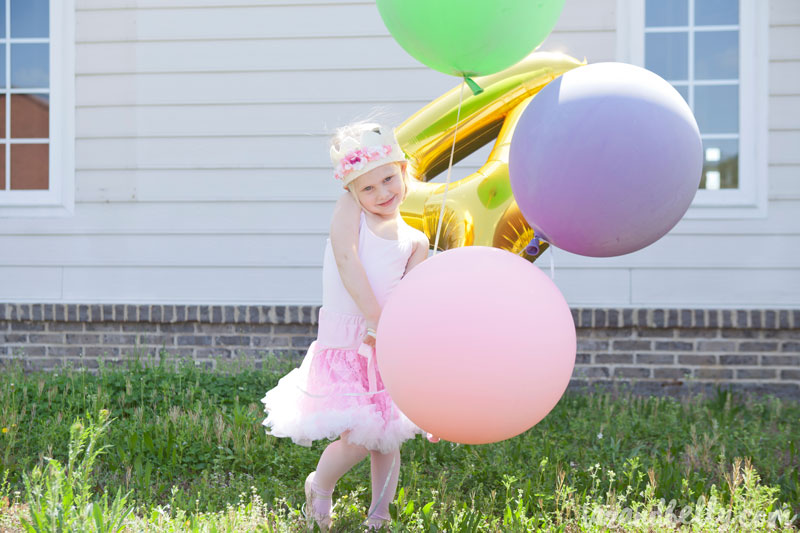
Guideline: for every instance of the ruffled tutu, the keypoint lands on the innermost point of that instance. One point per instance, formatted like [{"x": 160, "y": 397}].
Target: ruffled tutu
[{"x": 337, "y": 388}]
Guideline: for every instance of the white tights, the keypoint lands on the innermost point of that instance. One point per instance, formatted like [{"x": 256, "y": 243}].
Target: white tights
[{"x": 340, "y": 456}]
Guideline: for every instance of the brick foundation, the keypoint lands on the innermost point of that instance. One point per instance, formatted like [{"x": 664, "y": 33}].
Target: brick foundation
[
  {"x": 675, "y": 351},
  {"x": 649, "y": 351}
]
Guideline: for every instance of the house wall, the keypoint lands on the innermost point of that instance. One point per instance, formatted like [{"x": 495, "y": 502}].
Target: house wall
[{"x": 202, "y": 172}]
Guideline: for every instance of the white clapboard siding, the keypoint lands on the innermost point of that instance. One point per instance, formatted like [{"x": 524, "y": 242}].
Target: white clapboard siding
[
  {"x": 277, "y": 21},
  {"x": 272, "y": 151},
  {"x": 199, "y": 20},
  {"x": 784, "y": 78},
  {"x": 784, "y": 12},
  {"x": 233, "y": 22},
  {"x": 203, "y": 152},
  {"x": 136, "y": 4},
  {"x": 203, "y": 176},
  {"x": 784, "y": 147},
  {"x": 685, "y": 287},
  {"x": 784, "y": 104},
  {"x": 249, "y": 285},
  {"x": 605, "y": 287},
  {"x": 699, "y": 251},
  {"x": 31, "y": 283},
  {"x": 285, "y": 215},
  {"x": 228, "y": 250},
  {"x": 380, "y": 52},
  {"x": 784, "y": 182},
  {"x": 241, "y": 55},
  {"x": 207, "y": 185},
  {"x": 213, "y": 216},
  {"x": 227, "y": 119},
  {"x": 783, "y": 44},
  {"x": 379, "y": 85},
  {"x": 309, "y": 151},
  {"x": 759, "y": 287},
  {"x": 305, "y": 249},
  {"x": 594, "y": 46},
  {"x": 784, "y": 111}
]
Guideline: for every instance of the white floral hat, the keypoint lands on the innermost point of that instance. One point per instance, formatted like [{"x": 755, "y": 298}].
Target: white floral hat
[{"x": 354, "y": 157}]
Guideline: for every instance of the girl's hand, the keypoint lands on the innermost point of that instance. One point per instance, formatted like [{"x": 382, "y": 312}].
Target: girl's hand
[
  {"x": 369, "y": 340},
  {"x": 372, "y": 324}
]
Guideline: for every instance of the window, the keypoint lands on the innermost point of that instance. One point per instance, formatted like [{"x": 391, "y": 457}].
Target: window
[
  {"x": 714, "y": 53},
  {"x": 36, "y": 106}
]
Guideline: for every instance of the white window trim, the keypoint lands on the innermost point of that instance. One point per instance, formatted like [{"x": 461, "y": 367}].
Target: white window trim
[
  {"x": 59, "y": 200},
  {"x": 750, "y": 199}
]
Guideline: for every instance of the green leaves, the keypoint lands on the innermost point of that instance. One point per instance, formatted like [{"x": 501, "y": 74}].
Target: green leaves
[
  {"x": 195, "y": 442},
  {"x": 62, "y": 500}
]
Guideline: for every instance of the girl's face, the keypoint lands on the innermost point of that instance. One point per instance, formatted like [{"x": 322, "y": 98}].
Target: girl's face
[{"x": 381, "y": 190}]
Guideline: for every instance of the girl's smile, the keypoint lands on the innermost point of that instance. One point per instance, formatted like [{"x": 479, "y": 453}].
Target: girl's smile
[{"x": 389, "y": 202}]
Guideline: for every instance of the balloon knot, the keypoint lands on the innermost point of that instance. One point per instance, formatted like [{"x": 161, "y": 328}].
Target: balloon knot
[
  {"x": 532, "y": 248},
  {"x": 474, "y": 87},
  {"x": 535, "y": 245}
]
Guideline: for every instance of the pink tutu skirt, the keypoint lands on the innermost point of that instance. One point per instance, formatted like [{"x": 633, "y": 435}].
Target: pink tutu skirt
[{"x": 337, "y": 388}]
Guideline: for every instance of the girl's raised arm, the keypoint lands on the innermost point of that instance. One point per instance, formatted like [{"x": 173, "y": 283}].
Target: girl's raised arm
[{"x": 344, "y": 241}]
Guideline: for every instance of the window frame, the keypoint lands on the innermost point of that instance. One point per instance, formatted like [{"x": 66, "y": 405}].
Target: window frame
[
  {"x": 750, "y": 199},
  {"x": 59, "y": 199}
]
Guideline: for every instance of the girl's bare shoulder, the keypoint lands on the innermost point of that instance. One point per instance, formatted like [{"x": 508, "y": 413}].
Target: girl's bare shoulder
[
  {"x": 346, "y": 208},
  {"x": 347, "y": 201}
]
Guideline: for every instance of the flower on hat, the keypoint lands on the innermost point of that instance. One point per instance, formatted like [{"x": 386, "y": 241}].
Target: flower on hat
[{"x": 357, "y": 158}]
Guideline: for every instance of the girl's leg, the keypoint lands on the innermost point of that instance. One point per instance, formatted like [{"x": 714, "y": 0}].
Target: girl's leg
[
  {"x": 339, "y": 457},
  {"x": 336, "y": 460},
  {"x": 385, "y": 473}
]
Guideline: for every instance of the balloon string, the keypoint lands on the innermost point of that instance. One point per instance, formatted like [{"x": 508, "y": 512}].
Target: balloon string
[
  {"x": 449, "y": 170},
  {"x": 552, "y": 262},
  {"x": 383, "y": 490}
]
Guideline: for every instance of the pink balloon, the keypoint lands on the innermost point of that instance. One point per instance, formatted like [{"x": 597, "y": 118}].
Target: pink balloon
[{"x": 476, "y": 345}]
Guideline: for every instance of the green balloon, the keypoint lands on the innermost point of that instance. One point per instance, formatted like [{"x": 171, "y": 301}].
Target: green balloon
[{"x": 470, "y": 37}]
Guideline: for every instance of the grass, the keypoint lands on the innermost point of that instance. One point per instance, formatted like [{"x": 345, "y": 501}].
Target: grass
[{"x": 174, "y": 447}]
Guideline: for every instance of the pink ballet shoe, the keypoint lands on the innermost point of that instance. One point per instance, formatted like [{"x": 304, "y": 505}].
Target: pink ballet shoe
[
  {"x": 375, "y": 523},
  {"x": 323, "y": 519},
  {"x": 432, "y": 438}
]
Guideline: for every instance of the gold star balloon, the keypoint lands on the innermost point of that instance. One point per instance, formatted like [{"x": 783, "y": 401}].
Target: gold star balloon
[{"x": 480, "y": 209}]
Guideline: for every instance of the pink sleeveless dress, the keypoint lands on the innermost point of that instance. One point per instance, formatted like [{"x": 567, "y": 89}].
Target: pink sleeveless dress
[{"x": 338, "y": 386}]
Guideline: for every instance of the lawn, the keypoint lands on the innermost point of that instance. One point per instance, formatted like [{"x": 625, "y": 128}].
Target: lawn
[{"x": 166, "y": 446}]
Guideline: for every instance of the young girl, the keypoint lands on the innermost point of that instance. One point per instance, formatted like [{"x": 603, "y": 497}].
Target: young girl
[{"x": 337, "y": 391}]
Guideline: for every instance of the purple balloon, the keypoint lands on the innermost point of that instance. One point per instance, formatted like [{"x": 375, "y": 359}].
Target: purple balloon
[{"x": 605, "y": 160}]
